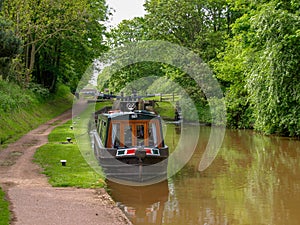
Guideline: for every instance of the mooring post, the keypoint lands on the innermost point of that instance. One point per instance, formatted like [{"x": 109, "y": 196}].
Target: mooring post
[{"x": 63, "y": 162}]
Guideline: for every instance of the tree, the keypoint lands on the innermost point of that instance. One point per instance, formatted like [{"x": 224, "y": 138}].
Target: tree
[
  {"x": 260, "y": 68},
  {"x": 130, "y": 31},
  {"x": 274, "y": 81},
  {"x": 198, "y": 25},
  {"x": 231, "y": 69},
  {"x": 10, "y": 47},
  {"x": 45, "y": 27},
  {"x": 201, "y": 26}
]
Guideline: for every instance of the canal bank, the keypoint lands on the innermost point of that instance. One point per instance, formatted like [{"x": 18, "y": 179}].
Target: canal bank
[{"x": 34, "y": 201}]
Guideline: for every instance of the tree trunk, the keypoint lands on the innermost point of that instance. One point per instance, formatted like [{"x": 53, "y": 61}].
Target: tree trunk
[
  {"x": 30, "y": 67},
  {"x": 56, "y": 64}
]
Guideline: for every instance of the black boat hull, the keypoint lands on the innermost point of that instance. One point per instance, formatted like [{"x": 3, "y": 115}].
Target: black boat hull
[
  {"x": 120, "y": 172},
  {"x": 130, "y": 169}
]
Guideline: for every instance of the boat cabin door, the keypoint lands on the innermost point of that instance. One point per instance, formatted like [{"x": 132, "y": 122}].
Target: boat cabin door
[{"x": 135, "y": 133}]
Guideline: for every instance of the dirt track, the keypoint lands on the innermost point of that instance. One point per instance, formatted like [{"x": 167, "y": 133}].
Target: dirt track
[{"x": 34, "y": 201}]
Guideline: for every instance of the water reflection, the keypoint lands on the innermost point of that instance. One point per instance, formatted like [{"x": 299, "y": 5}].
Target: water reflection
[
  {"x": 141, "y": 204},
  {"x": 255, "y": 179}
]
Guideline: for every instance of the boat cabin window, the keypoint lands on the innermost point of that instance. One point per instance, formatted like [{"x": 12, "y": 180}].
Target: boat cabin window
[
  {"x": 128, "y": 135},
  {"x": 153, "y": 134},
  {"x": 134, "y": 133},
  {"x": 116, "y": 135},
  {"x": 102, "y": 129},
  {"x": 140, "y": 134}
]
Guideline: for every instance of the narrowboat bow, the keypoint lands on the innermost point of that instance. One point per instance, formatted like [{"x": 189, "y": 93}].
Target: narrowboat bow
[{"x": 129, "y": 145}]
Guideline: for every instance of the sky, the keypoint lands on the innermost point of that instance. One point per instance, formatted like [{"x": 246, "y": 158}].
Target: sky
[{"x": 125, "y": 9}]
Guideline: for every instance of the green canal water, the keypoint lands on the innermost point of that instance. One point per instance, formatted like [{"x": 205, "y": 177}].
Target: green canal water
[{"x": 254, "y": 179}]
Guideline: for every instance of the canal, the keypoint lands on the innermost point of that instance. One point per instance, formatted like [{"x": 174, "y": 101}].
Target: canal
[{"x": 254, "y": 179}]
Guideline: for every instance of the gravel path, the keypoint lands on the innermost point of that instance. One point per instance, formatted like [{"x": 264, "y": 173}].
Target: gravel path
[{"x": 34, "y": 201}]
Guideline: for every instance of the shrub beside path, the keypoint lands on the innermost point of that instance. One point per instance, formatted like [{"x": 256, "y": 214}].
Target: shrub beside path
[{"x": 34, "y": 202}]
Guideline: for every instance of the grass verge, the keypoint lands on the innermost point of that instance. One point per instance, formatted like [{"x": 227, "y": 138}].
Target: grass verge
[
  {"x": 4, "y": 210},
  {"x": 77, "y": 172},
  {"x": 166, "y": 110},
  {"x": 18, "y": 117}
]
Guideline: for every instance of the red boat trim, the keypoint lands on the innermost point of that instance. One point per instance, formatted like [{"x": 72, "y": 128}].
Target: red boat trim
[{"x": 131, "y": 152}]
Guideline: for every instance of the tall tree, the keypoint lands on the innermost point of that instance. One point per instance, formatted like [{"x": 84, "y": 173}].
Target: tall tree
[
  {"x": 260, "y": 66},
  {"x": 274, "y": 81},
  {"x": 201, "y": 26},
  {"x": 197, "y": 24},
  {"x": 130, "y": 31},
  {"x": 45, "y": 25}
]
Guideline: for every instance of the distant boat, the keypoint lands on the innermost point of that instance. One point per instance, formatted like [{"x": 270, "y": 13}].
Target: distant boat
[{"x": 128, "y": 143}]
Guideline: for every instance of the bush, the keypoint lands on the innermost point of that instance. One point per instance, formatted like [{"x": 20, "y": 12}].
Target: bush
[
  {"x": 22, "y": 110},
  {"x": 62, "y": 91},
  {"x": 39, "y": 91},
  {"x": 12, "y": 97}
]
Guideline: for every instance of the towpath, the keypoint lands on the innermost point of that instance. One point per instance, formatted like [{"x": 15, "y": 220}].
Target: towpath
[{"x": 34, "y": 201}]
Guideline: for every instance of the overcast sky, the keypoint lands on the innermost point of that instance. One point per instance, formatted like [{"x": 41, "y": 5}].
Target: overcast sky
[{"x": 125, "y": 9}]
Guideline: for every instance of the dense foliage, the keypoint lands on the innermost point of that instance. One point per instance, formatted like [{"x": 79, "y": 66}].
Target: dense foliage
[
  {"x": 200, "y": 26},
  {"x": 10, "y": 47},
  {"x": 274, "y": 79},
  {"x": 253, "y": 48},
  {"x": 59, "y": 39},
  {"x": 22, "y": 110},
  {"x": 261, "y": 68}
]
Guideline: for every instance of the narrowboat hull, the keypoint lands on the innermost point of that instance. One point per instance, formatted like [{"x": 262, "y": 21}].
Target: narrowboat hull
[
  {"x": 132, "y": 174},
  {"x": 130, "y": 168}
]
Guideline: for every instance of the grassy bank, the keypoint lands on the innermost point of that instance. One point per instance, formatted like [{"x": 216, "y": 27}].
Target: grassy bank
[
  {"x": 23, "y": 110},
  {"x": 4, "y": 211},
  {"x": 77, "y": 172},
  {"x": 165, "y": 110},
  {"x": 192, "y": 111}
]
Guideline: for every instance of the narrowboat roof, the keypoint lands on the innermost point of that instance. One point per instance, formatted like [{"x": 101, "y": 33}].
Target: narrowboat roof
[{"x": 143, "y": 113}]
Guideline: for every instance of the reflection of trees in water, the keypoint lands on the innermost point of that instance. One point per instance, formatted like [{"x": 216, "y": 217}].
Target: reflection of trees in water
[
  {"x": 259, "y": 176},
  {"x": 254, "y": 180}
]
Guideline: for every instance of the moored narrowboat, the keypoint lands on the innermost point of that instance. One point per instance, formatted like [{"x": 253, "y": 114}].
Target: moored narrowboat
[{"x": 129, "y": 144}]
